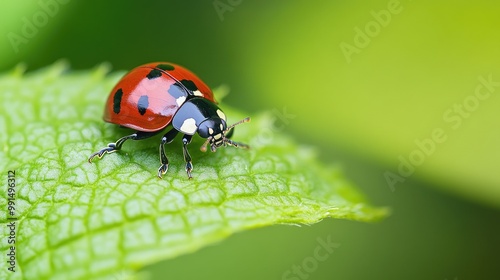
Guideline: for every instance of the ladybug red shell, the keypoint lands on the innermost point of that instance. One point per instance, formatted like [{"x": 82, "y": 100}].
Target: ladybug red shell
[
  {"x": 155, "y": 95},
  {"x": 147, "y": 97}
]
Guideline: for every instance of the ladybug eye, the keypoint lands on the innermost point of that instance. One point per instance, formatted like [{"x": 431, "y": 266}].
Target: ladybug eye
[{"x": 203, "y": 130}]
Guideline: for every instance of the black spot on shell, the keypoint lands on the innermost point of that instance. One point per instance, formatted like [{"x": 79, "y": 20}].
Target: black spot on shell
[
  {"x": 166, "y": 67},
  {"x": 189, "y": 85},
  {"x": 155, "y": 73},
  {"x": 143, "y": 104},
  {"x": 117, "y": 100},
  {"x": 176, "y": 90}
]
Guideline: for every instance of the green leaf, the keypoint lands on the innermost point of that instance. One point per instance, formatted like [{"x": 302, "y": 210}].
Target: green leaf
[{"x": 110, "y": 218}]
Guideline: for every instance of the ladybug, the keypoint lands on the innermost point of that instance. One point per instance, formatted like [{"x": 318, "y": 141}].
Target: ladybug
[{"x": 158, "y": 95}]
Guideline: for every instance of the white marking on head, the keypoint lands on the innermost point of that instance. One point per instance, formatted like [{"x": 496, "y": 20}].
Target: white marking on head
[
  {"x": 180, "y": 100},
  {"x": 210, "y": 131},
  {"x": 221, "y": 114},
  {"x": 221, "y": 127},
  {"x": 189, "y": 126},
  {"x": 218, "y": 136},
  {"x": 197, "y": 93}
]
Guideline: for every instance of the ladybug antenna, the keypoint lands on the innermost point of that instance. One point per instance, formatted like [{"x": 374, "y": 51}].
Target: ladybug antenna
[
  {"x": 203, "y": 147},
  {"x": 231, "y": 142},
  {"x": 247, "y": 119}
]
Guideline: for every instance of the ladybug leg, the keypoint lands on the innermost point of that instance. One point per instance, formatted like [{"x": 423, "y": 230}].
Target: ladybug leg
[
  {"x": 187, "y": 157},
  {"x": 237, "y": 144},
  {"x": 166, "y": 139},
  {"x": 113, "y": 147},
  {"x": 233, "y": 143}
]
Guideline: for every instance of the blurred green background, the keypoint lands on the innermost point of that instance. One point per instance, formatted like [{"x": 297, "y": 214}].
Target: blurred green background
[{"x": 404, "y": 94}]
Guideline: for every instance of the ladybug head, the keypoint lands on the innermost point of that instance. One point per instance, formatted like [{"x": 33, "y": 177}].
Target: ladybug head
[{"x": 215, "y": 130}]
